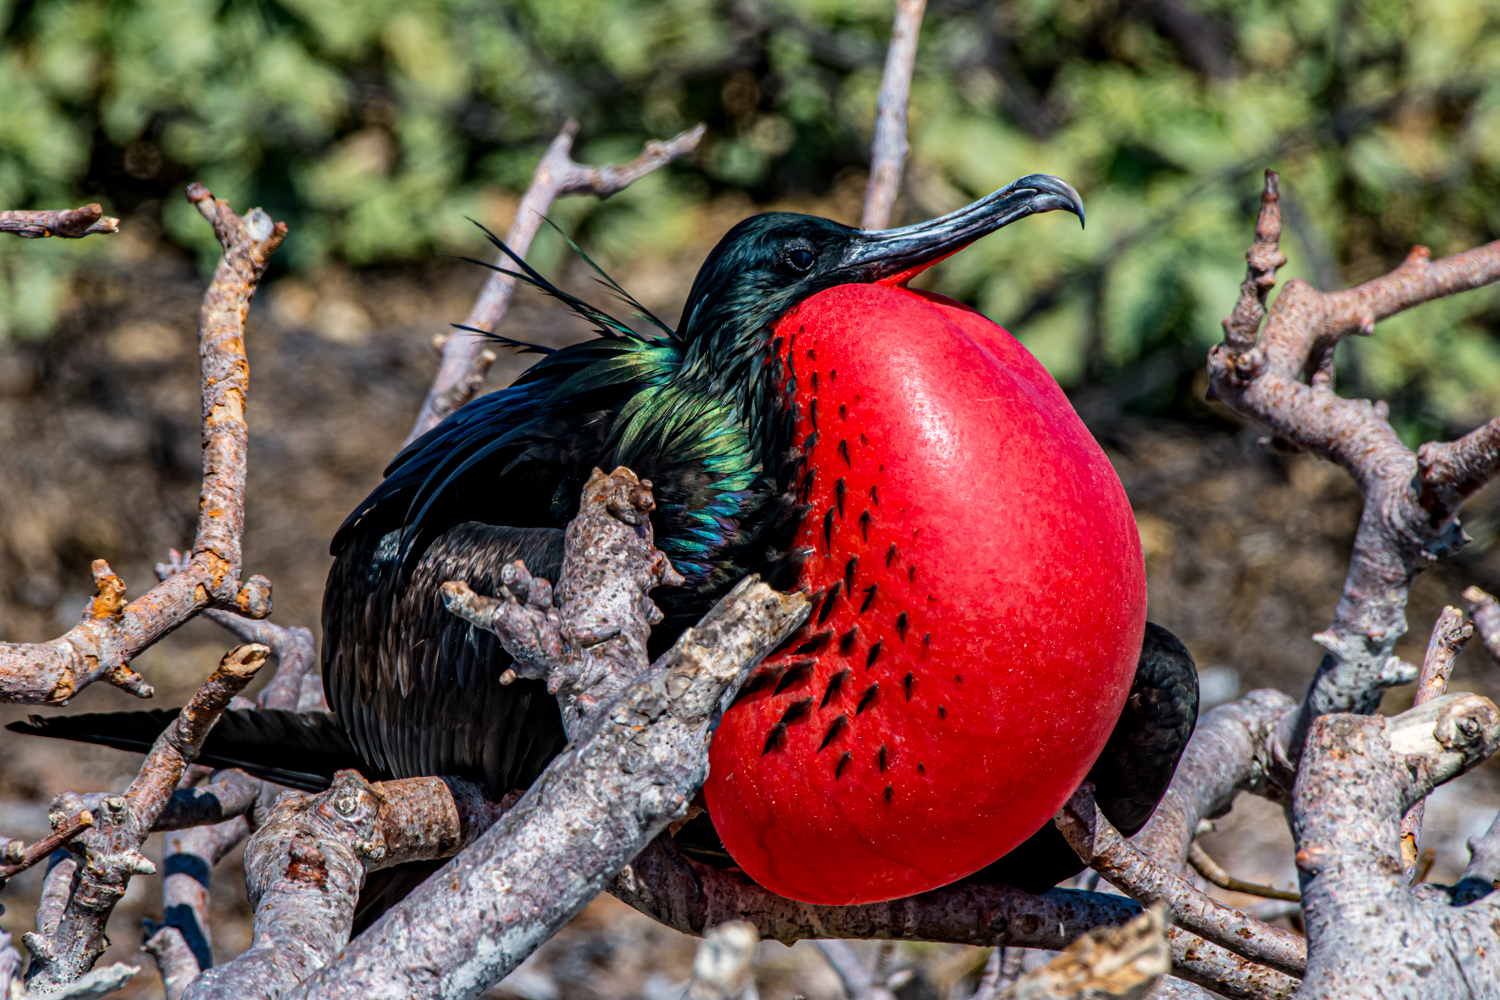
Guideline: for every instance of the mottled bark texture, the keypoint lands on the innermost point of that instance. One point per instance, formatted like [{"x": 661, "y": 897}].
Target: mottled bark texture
[
  {"x": 888, "y": 147},
  {"x": 68, "y": 224},
  {"x": 108, "y": 852},
  {"x": 182, "y": 943},
  {"x": 1282, "y": 377},
  {"x": 692, "y": 897},
  {"x": 113, "y": 631},
  {"x": 17, "y": 857},
  {"x": 1370, "y": 933},
  {"x": 1121, "y": 963},
  {"x": 465, "y": 359}
]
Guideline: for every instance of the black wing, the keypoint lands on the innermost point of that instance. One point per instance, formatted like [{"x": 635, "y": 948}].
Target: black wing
[
  {"x": 418, "y": 689},
  {"x": 298, "y": 749}
]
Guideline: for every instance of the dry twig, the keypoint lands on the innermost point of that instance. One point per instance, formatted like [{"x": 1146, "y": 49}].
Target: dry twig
[
  {"x": 68, "y": 224},
  {"x": 1449, "y": 636},
  {"x": 465, "y": 359},
  {"x": 1283, "y": 378},
  {"x": 112, "y": 631},
  {"x": 691, "y": 897},
  {"x": 110, "y": 848},
  {"x": 888, "y": 148},
  {"x": 1211, "y": 870}
]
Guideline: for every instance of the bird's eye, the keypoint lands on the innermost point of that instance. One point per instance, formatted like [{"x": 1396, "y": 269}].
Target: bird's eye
[{"x": 799, "y": 258}]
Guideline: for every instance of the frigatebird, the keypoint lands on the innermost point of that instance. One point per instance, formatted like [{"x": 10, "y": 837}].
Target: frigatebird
[{"x": 768, "y": 458}]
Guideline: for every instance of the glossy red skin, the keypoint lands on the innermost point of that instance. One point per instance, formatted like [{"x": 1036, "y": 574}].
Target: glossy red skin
[{"x": 1001, "y": 530}]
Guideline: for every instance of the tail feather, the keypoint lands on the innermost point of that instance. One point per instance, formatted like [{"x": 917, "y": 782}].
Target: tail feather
[{"x": 301, "y": 750}]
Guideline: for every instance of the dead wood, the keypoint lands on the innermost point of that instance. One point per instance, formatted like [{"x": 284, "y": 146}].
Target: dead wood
[{"x": 67, "y": 224}]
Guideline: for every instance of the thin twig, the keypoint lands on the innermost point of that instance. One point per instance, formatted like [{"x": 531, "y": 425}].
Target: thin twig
[
  {"x": 466, "y": 360},
  {"x": 113, "y": 632},
  {"x": 1210, "y": 869},
  {"x": 888, "y": 148},
  {"x": 68, "y": 224},
  {"x": 43, "y": 848}
]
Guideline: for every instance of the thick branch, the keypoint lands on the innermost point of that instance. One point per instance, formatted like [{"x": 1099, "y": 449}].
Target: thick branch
[
  {"x": 465, "y": 360},
  {"x": 68, "y": 224},
  {"x": 888, "y": 148},
  {"x": 1284, "y": 380},
  {"x": 1358, "y": 776},
  {"x": 110, "y": 848},
  {"x": 1102, "y": 848},
  {"x": 112, "y": 632}
]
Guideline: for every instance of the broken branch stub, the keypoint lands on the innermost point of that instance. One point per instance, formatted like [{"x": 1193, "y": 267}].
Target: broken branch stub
[
  {"x": 67, "y": 224},
  {"x": 112, "y": 631}
]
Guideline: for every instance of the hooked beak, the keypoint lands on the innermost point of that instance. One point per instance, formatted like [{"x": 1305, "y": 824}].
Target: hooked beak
[{"x": 894, "y": 256}]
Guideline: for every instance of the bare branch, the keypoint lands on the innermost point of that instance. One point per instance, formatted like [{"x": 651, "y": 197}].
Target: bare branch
[
  {"x": 1102, "y": 847},
  {"x": 1359, "y": 774},
  {"x": 1450, "y": 633},
  {"x": 465, "y": 358},
  {"x": 43, "y": 848},
  {"x": 888, "y": 148},
  {"x": 1117, "y": 962},
  {"x": 858, "y": 978},
  {"x": 230, "y": 793},
  {"x": 691, "y": 897},
  {"x": 182, "y": 943},
  {"x": 68, "y": 224},
  {"x": 112, "y": 632},
  {"x": 110, "y": 848},
  {"x": 1229, "y": 753},
  {"x": 1263, "y": 259},
  {"x": 1211, "y": 870},
  {"x": 1284, "y": 379}
]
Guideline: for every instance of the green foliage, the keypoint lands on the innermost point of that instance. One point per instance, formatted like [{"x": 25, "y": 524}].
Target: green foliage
[{"x": 375, "y": 127}]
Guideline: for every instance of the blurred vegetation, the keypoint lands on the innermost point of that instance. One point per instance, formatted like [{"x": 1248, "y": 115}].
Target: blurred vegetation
[{"x": 374, "y": 127}]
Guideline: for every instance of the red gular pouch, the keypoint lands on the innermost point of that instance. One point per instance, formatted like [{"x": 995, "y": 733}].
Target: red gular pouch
[{"x": 981, "y": 599}]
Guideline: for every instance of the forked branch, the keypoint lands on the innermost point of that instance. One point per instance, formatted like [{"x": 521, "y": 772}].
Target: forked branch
[
  {"x": 1283, "y": 378},
  {"x": 113, "y": 631}
]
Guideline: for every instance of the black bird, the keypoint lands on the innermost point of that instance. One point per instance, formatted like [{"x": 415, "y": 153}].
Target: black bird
[{"x": 697, "y": 410}]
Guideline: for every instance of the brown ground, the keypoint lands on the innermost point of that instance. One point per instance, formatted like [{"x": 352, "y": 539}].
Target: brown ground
[{"x": 99, "y": 458}]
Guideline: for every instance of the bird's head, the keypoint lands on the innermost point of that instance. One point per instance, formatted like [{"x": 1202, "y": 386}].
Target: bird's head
[{"x": 768, "y": 263}]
